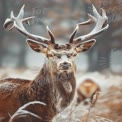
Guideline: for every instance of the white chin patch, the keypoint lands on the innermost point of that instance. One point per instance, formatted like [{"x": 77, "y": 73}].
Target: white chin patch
[
  {"x": 62, "y": 71},
  {"x": 67, "y": 87},
  {"x": 67, "y": 71}
]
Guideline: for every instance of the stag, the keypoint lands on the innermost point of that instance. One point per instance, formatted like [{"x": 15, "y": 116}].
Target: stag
[{"x": 55, "y": 83}]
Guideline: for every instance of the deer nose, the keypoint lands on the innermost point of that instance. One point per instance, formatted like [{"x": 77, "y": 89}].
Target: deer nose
[{"x": 65, "y": 65}]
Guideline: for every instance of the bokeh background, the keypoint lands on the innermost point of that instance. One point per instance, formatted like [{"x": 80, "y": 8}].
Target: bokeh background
[
  {"x": 62, "y": 16},
  {"x": 102, "y": 63}
]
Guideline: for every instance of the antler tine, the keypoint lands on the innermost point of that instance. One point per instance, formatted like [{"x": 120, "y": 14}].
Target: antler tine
[
  {"x": 52, "y": 37},
  {"x": 18, "y": 23},
  {"x": 91, "y": 20},
  {"x": 73, "y": 34},
  {"x": 101, "y": 25}
]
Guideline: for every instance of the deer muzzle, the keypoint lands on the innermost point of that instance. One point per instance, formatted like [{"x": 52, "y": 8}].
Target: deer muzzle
[{"x": 65, "y": 66}]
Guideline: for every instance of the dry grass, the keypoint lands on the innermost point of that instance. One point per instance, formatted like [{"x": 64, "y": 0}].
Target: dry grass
[{"x": 106, "y": 108}]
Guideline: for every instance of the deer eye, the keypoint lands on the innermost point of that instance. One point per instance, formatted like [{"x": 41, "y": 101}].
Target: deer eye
[
  {"x": 69, "y": 56},
  {"x": 74, "y": 54},
  {"x": 58, "y": 56},
  {"x": 50, "y": 55}
]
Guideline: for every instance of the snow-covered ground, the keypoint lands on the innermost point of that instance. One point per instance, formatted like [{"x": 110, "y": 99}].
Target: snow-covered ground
[{"x": 108, "y": 107}]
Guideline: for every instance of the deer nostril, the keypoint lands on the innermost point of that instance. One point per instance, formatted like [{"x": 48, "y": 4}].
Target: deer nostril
[{"x": 65, "y": 65}]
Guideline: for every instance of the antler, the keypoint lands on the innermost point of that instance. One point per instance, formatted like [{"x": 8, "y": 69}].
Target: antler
[
  {"x": 23, "y": 111},
  {"x": 101, "y": 25},
  {"x": 18, "y": 23}
]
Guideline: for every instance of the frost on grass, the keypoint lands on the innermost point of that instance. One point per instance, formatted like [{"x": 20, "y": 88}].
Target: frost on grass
[{"x": 107, "y": 107}]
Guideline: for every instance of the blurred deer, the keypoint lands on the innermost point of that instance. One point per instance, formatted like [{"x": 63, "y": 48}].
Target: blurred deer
[
  {"x": 86, "y": 90},
  {"x": 55, "y": 83}
]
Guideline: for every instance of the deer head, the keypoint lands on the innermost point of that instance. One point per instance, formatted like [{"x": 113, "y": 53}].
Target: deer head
[{"x": 62, "y": 56}]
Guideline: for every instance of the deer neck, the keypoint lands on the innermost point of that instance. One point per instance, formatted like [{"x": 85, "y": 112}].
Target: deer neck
[
  {"x": 61, "y": 81},
  {"x": 51, "y": 84}
]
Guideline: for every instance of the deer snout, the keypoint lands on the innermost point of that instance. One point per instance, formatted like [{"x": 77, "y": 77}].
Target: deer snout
[{"x": 65, "y": 65}]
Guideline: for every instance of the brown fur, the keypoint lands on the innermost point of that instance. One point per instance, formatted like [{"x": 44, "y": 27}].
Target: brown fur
[
  {"x": 47, "y": 87},
  {"x": 55, "y": 84},
  {"x": 87, "y": 89}
]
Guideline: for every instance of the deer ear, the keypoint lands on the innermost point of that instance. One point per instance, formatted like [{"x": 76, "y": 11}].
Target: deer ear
[
  {"x": 36, "y": 46},
  {"x": 85, "y": 46}
]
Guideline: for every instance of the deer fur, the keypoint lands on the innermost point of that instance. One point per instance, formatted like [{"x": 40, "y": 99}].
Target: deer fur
[
  {"x": 87, "y": 89},
  {"x": 55, "y": 83},
  {"x": 46, "y": 87}
]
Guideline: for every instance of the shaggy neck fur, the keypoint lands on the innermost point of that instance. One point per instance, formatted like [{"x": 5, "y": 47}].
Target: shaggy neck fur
[{"x": 53, "y": 88}]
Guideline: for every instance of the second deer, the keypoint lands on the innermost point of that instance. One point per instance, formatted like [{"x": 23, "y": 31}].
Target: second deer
[
  {"x": 87, "y": 89},
  {"x": 55, "y": 84}
]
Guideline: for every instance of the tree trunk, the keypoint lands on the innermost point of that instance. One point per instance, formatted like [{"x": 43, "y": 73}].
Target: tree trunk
[{"x": 2, "y": 18}]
